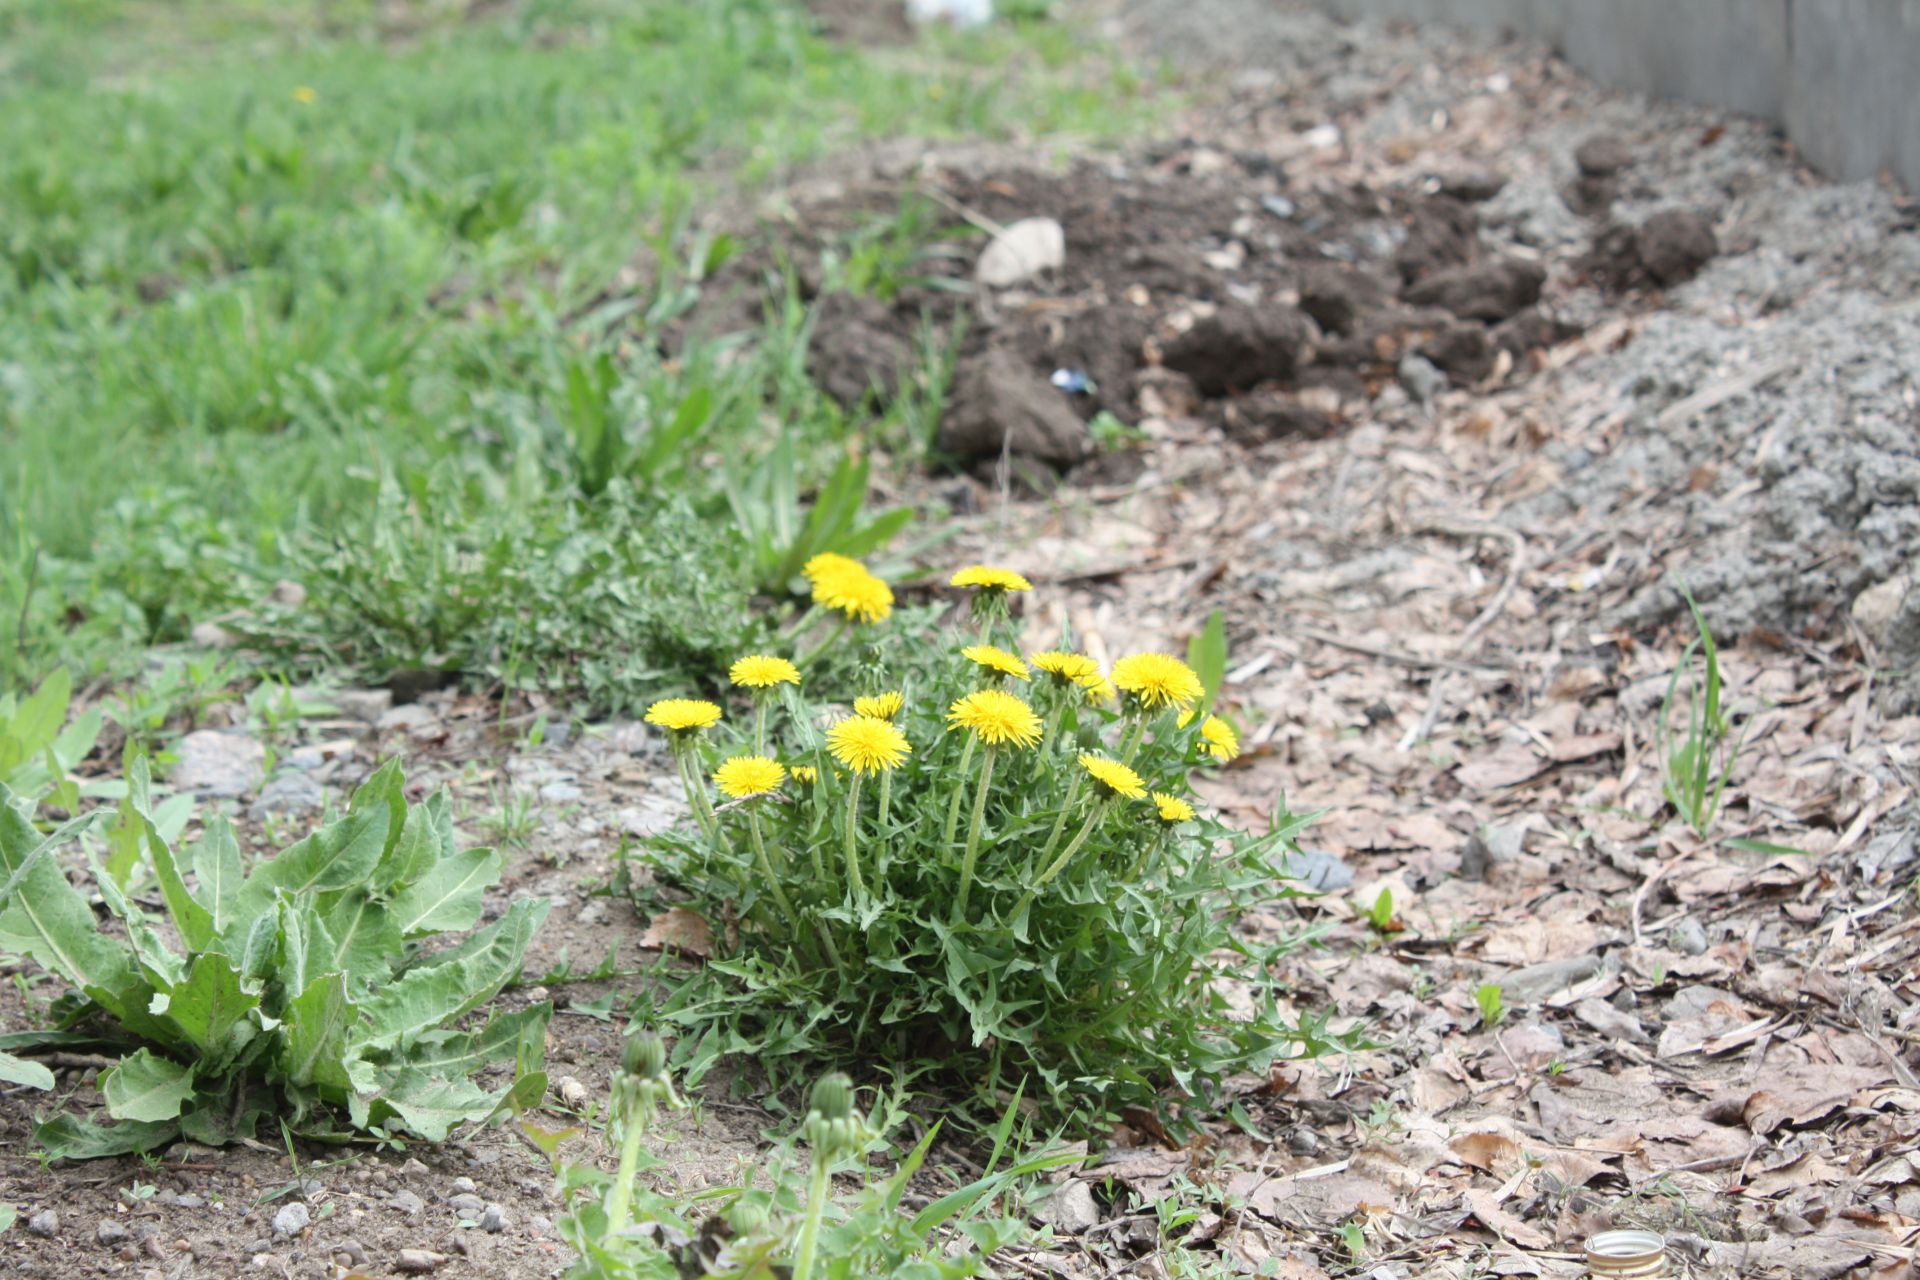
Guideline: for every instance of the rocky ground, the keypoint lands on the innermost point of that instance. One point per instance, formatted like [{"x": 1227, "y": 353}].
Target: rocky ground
[{"x": 1435, "y": 367}]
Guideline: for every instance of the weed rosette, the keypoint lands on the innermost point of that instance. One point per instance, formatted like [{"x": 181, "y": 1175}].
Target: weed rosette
[{"x": 989, "y": 870}]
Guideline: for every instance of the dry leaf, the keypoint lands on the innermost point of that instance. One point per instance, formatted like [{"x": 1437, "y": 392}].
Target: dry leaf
[
  {"x": 1503, "y": 1224},
  {"x": 681, "y": 930}
]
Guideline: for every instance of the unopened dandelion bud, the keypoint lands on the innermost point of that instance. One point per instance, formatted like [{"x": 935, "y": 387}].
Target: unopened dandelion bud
[
  {"x": 833, "y": 1096},
  {"x": 748, "y": 1217},
  {"x": 645, "y": 1056}
]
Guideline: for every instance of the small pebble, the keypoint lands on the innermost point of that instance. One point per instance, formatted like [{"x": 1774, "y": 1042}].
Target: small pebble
[
  {"x": 349, "y": 1253},
  {"x": 467, "y": 1205},
  {"x": 417, "y": 1261},
  {"x": 111, "y": 1231},
  {"x": 188, "y": 1200},
  {"x": 413, "y": 1168},
  {"x": 292, "y": 1219},
  {"x": 493, "y": 1219},
  {"x": 406, "y": 1202},
  {"x": 466, "y": 1185},
  {"x": 1687, "y": 937},
  {"x": 44, "y": 1224}
]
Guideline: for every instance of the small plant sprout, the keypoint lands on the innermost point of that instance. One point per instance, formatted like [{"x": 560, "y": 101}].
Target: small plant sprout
[
  {"x": 1697, "y": 760},
  {"x": 834, "y": 1131},
  {"x": 644, "y": 1087},
  {"x": 1492, "y": 1004},
  {"x": 1380, "y": 914}
]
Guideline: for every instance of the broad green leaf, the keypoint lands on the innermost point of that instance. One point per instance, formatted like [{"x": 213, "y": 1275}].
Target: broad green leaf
[
  {"x": 1207, "y": 655},
  {"x": 162, "y": 968},
  {"x": 68, "y": 1136},
  {"x": 20, "y": 1071},
  {"x": 36, "y": 722},
  {"x": 76, "y": 741},
  {"x": 432, "y": 1107},
  {"x": 193, "y": 921},
  {"x": 216, "y": 871},
  {"x": 443, "y": 988},
  {"x": 316, "y": 1031},
  {"x": 452, "y": 1053},
  {"x": 211, "y": 1009},
  {"x": 48, "y": 919},
  {"x": 221, "y": 1116},
  {"x": 8, "y": 1216},
  {"x": 449, "y": 896},
  {"x": 146, "y": 1088},
  {"x": 425, "y": 840},
  {"x": 362, "y": 937},
  {"x": 340, "y": 854}
]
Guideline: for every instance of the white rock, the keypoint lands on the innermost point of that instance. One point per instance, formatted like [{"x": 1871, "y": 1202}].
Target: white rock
[
  {"x": 292, "y": 1219},
  {"x": 1070, "y": 1210},
  {"x": 1022, "y": 251},
  {"x": 1876, "y": 607},
  {"x": 216, "y": 764},
  {"x": 961, "y": 13}
]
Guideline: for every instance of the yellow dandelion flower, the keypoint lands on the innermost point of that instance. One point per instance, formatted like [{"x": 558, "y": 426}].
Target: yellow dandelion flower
[
  {"x": 683, "y": 715},
  {"x": 1067, "y": 668},
  {"x": 996, "y": 718},
  {"x": 881, "y": 706},
  {"x": 306, "y": 95},
  {"x": 1099, "y": 689},
  {"x": 1158, "y": 679},
  {"x": 995, "y": 658},
  {"x": 855, "y": 592},
  {"x": 988, "y": 578},
  {"x": 804, "y": 773},
  {"x": 828, "y": 562},
  {"x": 1218, "y": 739},
  {"x": 867, "y": 744},
  {"x": 1172, "y": 808},
  {"x": 746, "y": 776},
  {"x": 760, "y": 671},
  {"x": 1114, "y": 776}
]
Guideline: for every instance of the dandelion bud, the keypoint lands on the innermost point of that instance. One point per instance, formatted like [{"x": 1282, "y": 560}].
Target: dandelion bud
[
  {"x": 645, "y": 1055},
  {"x": 833, "y": 1096},
  {"x": 747, "y": 1217}
]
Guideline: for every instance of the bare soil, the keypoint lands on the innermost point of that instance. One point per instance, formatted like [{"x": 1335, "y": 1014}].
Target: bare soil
[{"x": 1450, "y": 604}]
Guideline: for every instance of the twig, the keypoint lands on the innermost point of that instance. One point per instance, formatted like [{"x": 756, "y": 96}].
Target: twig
[
  {"x": 979, "y": 220},
  {"x": 1646, "y": 887},
  {"x": 1388, "y": 655},
  {"x": 1497, "y": 605}
]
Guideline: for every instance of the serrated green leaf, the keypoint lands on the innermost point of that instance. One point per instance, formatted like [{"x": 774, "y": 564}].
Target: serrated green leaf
[
  {"x": 193, "y": 921},
  {"x": 146, "y": 1088},
  {"x": 444, "y": 987},
  {"x": 425, "y": 840},
  {"x": 48, "y": 919},
  {"x": 216, "y": 871},
  {"x": 450, "y": 895},
  {"x": 21, "y": 1071},
  {"x": 504, "y": 1038},
  {"x": 316, "y": 1031},
  {"x": 431, "y": 1107},
  {"x": 35, "y": 723},
  {"x": 68, "y": 1136},
  {"x": 363, "y": 938},
  {"x": 211, "y": 1009}
]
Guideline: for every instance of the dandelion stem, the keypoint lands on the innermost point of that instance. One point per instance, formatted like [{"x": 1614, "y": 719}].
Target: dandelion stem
[
  {"x": 696, "y": 795},
  {"x": 886, "y": 798},
  {"x": 810, "y": 1228},
  {"x": 1131, "y": 745},
  {"x": 973, "y": 834},
  {"x": 760, "y": 724},
  {"x": 639, "y": 1113},
  {"x": 1066, "y": 855},
  {"x": 766, "y": 869},
  {"x": 1060, "y": 823},
  {"x": 839, "y": 629},
  {"x": 1153, "y": 846},
  {"x": 953, "y": 805},
  {"x": 853, "y": 827},
  {"x": 805, "y": 620}
]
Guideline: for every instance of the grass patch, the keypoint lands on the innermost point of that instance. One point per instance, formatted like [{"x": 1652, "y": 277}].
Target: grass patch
[{"x": 264, "y": 265}]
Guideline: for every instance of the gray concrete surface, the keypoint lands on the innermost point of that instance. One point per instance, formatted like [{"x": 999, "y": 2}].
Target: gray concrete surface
[{"x": 1841, "y": 76}]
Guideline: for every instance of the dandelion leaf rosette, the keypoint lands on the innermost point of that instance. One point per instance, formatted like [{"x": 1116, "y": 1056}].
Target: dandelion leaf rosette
[{"x": 304, "y": 987}]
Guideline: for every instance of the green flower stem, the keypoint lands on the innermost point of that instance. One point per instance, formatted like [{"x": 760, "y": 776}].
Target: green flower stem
[
  {"x": 853, "y": 828},
  {"x": 973, "y": 834},
  {"x": 805, "y": 620},
  {"x": 886, "y": 799},
  {"x": 953, "y": 805},
  {"x": 696, "y": 794},
  {"x": 1053, "y": 720},
  {"x": 839, "y": 629},
  {"x": 1066, "y": 855},
  {"x": 766, "y": 869},
  {"x": 1131, "y": 745},
  {"x": 639, "y": 1114},
  {"x": 760, "y": 722},
  {"x": 810, "y": 1229},
  {"x": 1060, "y": 823},
  {"x": 1153, "y": 847}
]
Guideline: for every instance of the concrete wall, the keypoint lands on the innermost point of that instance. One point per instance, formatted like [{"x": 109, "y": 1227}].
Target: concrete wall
[{"x": 1842, "y": 76}]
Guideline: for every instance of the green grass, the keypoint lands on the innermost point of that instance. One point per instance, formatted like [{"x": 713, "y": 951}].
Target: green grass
[{"x": 263, "y": 265}]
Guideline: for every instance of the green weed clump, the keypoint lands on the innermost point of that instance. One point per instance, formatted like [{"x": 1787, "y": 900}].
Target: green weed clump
[
  {"x": 305, "y": 985},
  {"x": 993, "y": 871},
  {"x": 784, "y": 1218}
]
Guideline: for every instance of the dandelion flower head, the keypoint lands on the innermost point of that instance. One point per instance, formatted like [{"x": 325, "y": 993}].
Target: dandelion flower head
[
  {"x": 1099, "y": 688},
  {"x": 745, "y": 776},
  {"x": 1114, "y": 776},
  {"x": 1218, "y": 739},
  {"x": 867, "y": 744},
  {"x": 683, "y": 715},
  {"x": 828, "y": 562},
  {"x": 804, "y": 773},
  {"x": 988, "y": 578},
  {"x": 996, "y": 718},
  {"x": 760, "y": 671},
  {"x": 1067, "y": 668},
  {"x": 1172, "y": 808},
  {"x": 855, "y": 592},
  {"x": 881, "y": 706},
  {"x": 1158, "y": 680},
  {"x": 994, "y": 658}
]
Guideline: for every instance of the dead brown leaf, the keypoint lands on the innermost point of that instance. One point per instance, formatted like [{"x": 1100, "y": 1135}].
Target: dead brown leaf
[
  {"x": 1503, "y": 1224},
  {"x": 680, "y": 930}
]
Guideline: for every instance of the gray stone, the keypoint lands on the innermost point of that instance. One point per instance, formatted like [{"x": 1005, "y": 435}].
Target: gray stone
[
  {"x": 561, "y": 793},
  {"x": 1028, "y": 248},
  {"x": 493, "y": 1219},
  {"x": 1602, "y": 155},
  {"x": 365, "y": 705},
  {"x": 1319, "y": 870},
  {"x": 1421, "y": 377},
  {"x": 292, "y": 1218},
  {"x": 1688, "y": 937},
  {"x": 288, "y": 793},
  {"x": 411, "y": 718},
  {"x": 215, "y": 764},
  {"x": 1070, "y": 1210},
  {"x": 406, "y": 1202},
  {"x": 464, "y": 1184},
  {"x": 45, "y": 1224},
  {"x": 111, "y": 1232},
  {"x": 467, "y": 1204},
  {"x": 188, "y": 1200}
]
